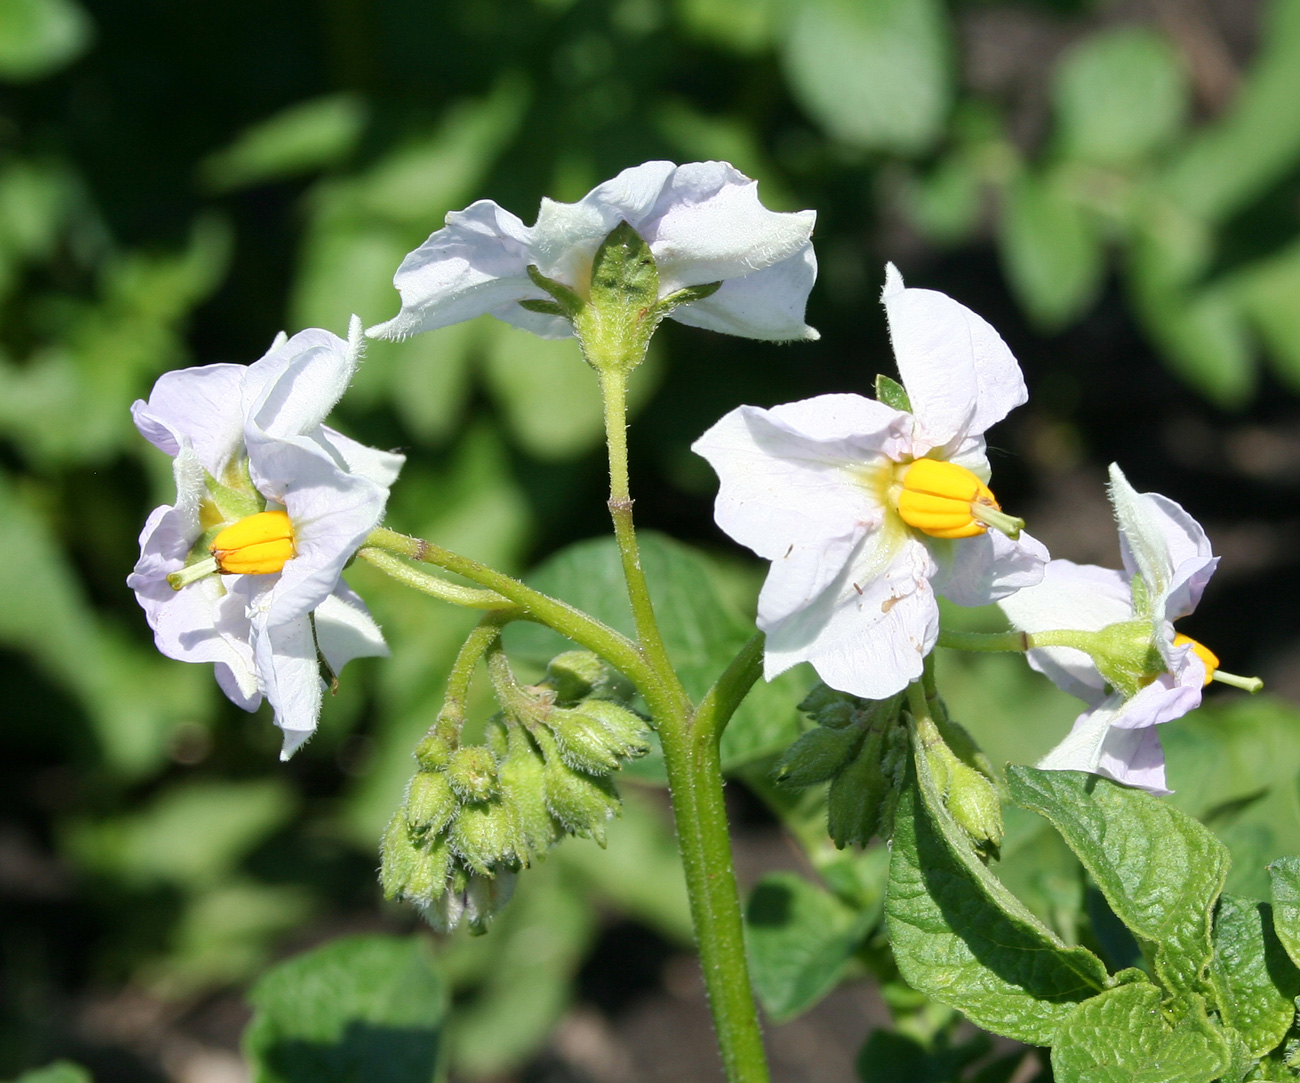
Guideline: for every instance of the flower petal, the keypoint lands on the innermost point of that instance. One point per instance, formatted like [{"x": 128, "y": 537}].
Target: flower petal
[
  {"x": 708, "y": 226},
  {"x": 796, "y": 474},
  {"x": 767, "y": 304},
  {"x": 198, "y": 407},
  {"x": 1163, "y": 544},
  {"x": 289, "y": 672},
  {"x": 1081, "y": 750},
  {"x": 1070, "y": 595},
  {"x": 476, "y": 263},
  {"x": 959, "y": 374},
  {"x": 869, "y": 630},
  {"x": 1135, "y": 758},
  {"x": 1163, "y": 700},
  {"x": 381, "y": 467},
  {"x": 294, "y": 386},
  {"x": 346, "y": 630},
  {"x": 982, "y": 569}
]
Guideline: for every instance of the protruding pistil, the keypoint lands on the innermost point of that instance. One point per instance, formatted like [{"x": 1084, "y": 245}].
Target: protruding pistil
[
  {"x": 1212, "y": 670},
  {"x": 945, "y": 500}
]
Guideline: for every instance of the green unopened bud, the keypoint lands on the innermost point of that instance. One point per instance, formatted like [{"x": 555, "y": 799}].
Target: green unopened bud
[
  {"x": 397, "y": 857},
  {"x": 941, "y": 762},
  {"x": 486, "y": 834},
  {"x": 963, "y": 746},
  {"x": 430, "y": 801},
  {"x": 828, "y": 707},
  {"x": 472, "y": 772},
  {"x": 433, "y": 752},
  {"x": 429, "y": 879},
  {"x": 522, "y": 776},
  {"x": 496, "y": 736},
  {"x": 975, "y": 806},
  {"x": 582, "y": 803},
  {"x": 625, "y": 729},
  {"x": 583, "y": 743},
  {"x": 857, "y": 795},
  {"x": 574, "y": 674},
  {"x": 817, "y": 756}
]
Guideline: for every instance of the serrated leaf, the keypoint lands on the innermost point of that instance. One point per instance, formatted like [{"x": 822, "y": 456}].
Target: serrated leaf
[
  {"x": 1254, "y": 981},
  {"x": 366, "y": 1007},
  {"x": 1122, "y": 1036},
  {"x": 799, "y": 937},
  {"x": 1050, "y": 249},
  {"x": 1159, "y": 869},
  {"x": 1120, "y": 95},
  {"x": 960, "y": 937},
  {"x": 872, "y": 73},
  {"x": 1284, "y": 875}
]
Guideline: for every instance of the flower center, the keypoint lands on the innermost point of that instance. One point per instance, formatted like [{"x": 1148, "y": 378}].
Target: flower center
[
  {"x": 256, "y": 545},
  {"x": 945, "y": 500},
  {"x": 1202, "y": 652}
]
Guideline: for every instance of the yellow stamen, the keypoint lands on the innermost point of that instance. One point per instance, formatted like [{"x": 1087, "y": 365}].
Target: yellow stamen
[
  {"x": 945, "y": 500},
  {"x": 1202, "y": 652},
  {"x": 256, "y": 545}
]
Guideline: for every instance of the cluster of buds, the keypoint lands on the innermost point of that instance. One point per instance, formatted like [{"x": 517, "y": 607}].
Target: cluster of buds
[{"x": 474, "y": 815}]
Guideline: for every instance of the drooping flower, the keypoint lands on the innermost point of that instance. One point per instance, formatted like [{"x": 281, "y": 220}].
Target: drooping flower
[
  {"x": 1130, "y": 667},
  {"x": 244, "y": 569},
  {"x": 703, "y": 224},
  {"x": 867, "y": 509}
]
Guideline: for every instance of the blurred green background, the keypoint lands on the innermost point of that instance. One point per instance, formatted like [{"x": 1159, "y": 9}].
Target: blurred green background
[{"x": 1114, "y": 185}]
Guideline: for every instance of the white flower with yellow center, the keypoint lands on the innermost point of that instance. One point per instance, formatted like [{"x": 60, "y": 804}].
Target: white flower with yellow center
[
  {"x": 244, "y": 569},
  {"x": 867, "y": 509},
  {"x": 1130, "y": 666},
  {"x": 703, "y": 224}
]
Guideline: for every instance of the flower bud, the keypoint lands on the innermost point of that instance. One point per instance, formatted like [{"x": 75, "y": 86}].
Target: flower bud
[
  {"x": 433, "y": 752},
  {"x": 581, "y": 802},
  {"x": 430, "y": 802},
  {"x": 818, "y": 755},
  {"x": 582, "y": 741},
  {"x": 486, "y": 834},
  {"x": 625, "y": 728},
  {"x": 975, "y": 806},
  {"x": 496, "y": 738},
  {"x": 428, "y": 878},
  {"x": 523, "y": 784},
  {"x": 827, "y": 707},
  {"x": 397, "y": 857},
  {"x": 574, "y": 674},
  {"x": 472, "y": 772}
]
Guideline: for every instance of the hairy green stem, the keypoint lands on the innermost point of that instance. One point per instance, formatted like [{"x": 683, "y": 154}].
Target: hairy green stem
[
  {"x": 729, "y": 690},
  {"x": 433, "y": 585},
  {"x": 596, "y": 636},
  {"x": 486, "y": 633},
  {"x": 1015, "y": 641}
]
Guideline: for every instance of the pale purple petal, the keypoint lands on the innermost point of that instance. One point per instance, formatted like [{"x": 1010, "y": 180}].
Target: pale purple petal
[
  {"x": 381, "y": 467},
  {"x": 477, "y": 263},
  {"x": 1080, "y": 596},
  {"x": 985, "y": 568},
  {"x": 1164, "y": 699},
  {"x": 959, "y": 374},
  {"x": 1135, "y": 758},
  {"x": 1163, "y": 544},
  {"x": 294, "y": 386},
  {"x": 767, "y": 304},
  {"x": 869, "y": 631},
  {"x": 289, "y": 670},
  {"x": 198, "y": 407},
  {"x": 346, "y": 630},
  {"x": 1081, "y": 749}
]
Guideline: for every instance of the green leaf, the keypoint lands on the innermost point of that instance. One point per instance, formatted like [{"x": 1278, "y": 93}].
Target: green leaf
[
  {"x": 872, "y": 73},
  {"x": 61, "y": 1071},
  {"x": 39, "y": 36},
  {"x": 1051, "y": 250},
  {"x": 1122, "y": 1036},
  {"x": 960, "y": 937},
  {"x": 305, "y": 137},
  {"x": 1255, "y": 982},
  {"x": 1120, "y": 95},
  {"x": 799, "y": 936},
  {"x": 1159, "y": 869},
  {"x": 1285, "y": 877},
  {"x": 363, "y": 1008}
]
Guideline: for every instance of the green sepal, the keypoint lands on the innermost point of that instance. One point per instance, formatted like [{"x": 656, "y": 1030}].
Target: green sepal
[
  {"x": 486, "y": 836},
  {"x": 624, "y": 277},
  {"x": 427, "y": 877},
  {"x": 687, "y": 295},
  {"x": 545, "y": 308},
  {"x": 582, "y": 741},
  {"x": 234, "y": 501},
  {"x": 892, "y": 393},
  {"x": 523, "y": 784},
  {"x": 567, "y": 303},
  {"x": 859, "y": 793},
  {"x": 818, "y": 755},
  {"x": 430, "y": 802}
]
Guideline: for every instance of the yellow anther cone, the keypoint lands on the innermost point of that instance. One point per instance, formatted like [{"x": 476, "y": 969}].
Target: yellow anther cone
[
  {"x": 1202, "y": 652},
  {"x": 256, "y": 545},
  {"x": 941, "y": 498}
]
